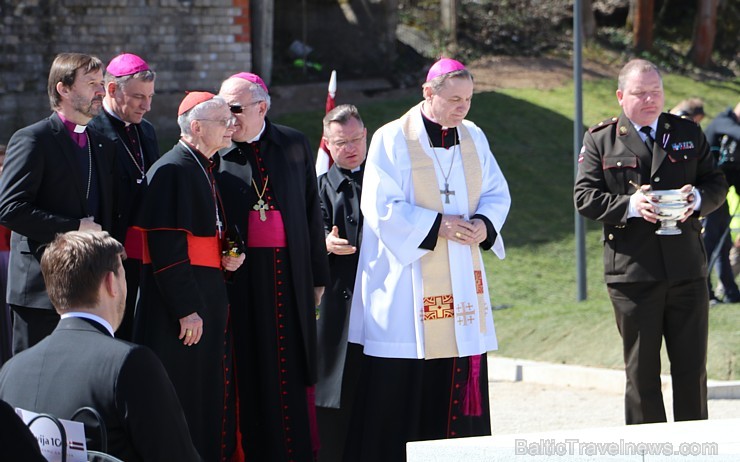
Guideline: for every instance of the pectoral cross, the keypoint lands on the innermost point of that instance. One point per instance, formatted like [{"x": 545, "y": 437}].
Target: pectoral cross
[
  {"x": 219, "y": 225},
  {"x": 447, "y": 193},
  {"x": 260, "y": 206}
]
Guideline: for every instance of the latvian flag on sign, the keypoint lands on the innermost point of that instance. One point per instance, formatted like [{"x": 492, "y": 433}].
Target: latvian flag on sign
[
  {"x": 323, "y": 158},
  {"x": 76, "y": 445}
]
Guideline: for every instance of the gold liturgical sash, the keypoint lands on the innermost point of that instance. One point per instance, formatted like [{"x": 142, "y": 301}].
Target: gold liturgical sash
[{"x": 441, "y": 312}]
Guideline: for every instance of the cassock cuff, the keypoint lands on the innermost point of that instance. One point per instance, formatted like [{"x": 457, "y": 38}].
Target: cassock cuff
[
  {"x": 430, "y": 241},
  {"x": 491, "y": 233}
]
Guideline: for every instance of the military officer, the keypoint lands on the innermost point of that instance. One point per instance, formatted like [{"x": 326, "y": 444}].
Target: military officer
[{"x": 656, "y": 283}]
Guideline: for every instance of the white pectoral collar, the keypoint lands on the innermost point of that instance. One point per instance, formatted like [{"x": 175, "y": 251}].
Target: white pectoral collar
[
  {"x": 80, "y": 128},
  {"x": 110, "y": 111},
  {"x": 256, "y": 138}
]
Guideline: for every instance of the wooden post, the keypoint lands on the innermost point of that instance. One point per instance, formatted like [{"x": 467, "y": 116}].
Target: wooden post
[{"x": 263, "y": 16}]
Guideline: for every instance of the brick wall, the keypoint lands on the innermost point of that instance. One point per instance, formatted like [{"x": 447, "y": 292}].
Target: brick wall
[{"x": 191, "y": 44}]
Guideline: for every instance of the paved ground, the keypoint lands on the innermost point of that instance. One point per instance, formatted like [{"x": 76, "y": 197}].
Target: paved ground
[{"x": 524, "y": 407}]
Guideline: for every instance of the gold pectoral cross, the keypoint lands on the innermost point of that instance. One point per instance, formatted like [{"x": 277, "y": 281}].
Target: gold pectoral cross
[
  {"x": 260, "y": 206},
  {"x": 447, "y": 193}
]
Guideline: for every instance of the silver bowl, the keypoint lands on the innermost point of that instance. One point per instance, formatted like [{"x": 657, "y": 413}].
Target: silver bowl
[{"x": 670, "y": 205}]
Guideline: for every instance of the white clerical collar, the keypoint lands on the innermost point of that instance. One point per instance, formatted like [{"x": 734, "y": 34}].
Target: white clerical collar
[
  {"x": 77, "y": 128},
  {"x": 262, "y": 130},
  {"x": 110, "y": 111},
  {"x": 90, "y": 316}
]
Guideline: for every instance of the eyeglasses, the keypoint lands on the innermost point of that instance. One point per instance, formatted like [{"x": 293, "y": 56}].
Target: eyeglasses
[
  {"x": 228, "y": 123},
  {"x": 238, "y": 108},
  {"x": 341, "y": 144}
]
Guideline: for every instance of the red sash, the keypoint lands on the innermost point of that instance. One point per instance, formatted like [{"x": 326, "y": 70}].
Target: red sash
[
  {"x": 202, "y": 251},
  {"x": 134, "y": 243}
]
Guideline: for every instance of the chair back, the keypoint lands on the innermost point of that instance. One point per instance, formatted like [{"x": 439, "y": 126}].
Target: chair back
[
  {"x": 60, "y": 428},
  {"x": 101, "y": 425},
  {"x": 97, "y": 456}
]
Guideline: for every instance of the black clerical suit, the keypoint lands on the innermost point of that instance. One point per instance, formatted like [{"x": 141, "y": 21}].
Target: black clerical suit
[
  {"x": 272, "y": 293},
  {"x": 338, "y": 362},
  {"x": 136, "y": 150},
  {"x": 656, "y": 283},
  {"x": 182, "y": 275},
  {"x": 79, "y": 365},
  {"x": 43, "y": 192}
]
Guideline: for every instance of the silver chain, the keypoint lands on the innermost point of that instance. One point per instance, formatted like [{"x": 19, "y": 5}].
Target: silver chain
[
  {"x": 219, "y": 224},
  {"x": 89, "y": 165},
  {"x": 452, "y": 161},
  {"x": 140, "y": 168}
]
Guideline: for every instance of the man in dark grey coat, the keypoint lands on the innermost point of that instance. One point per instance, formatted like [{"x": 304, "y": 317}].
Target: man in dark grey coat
[
  {"x": 81, "y": 365},
  {"x": 339, "y": 190}
]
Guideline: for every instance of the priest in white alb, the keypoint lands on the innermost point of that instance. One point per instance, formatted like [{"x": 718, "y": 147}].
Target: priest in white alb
[{"x": 433, "y": 199}]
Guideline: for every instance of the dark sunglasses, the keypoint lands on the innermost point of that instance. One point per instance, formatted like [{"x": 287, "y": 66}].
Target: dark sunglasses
[{"x": 238, "y": 108}]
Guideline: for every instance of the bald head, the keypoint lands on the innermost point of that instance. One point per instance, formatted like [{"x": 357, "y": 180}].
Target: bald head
[
  {"x": 249, "y": 103},
  {"x": 235, "y": 87}
]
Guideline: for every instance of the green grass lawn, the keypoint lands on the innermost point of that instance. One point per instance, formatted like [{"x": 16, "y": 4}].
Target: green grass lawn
[{"x": 531, "y": 134}]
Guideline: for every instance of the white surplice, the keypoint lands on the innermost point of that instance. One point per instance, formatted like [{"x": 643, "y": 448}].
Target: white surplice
[{"x": 386, "y": 314}]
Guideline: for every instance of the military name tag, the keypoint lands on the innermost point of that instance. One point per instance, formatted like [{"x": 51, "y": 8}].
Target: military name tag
[{"x": 682, "y": 146}]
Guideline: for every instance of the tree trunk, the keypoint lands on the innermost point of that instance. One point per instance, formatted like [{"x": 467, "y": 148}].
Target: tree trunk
[
  {"x": 589, "y": 20},
  {"x": 705, "y": 29},
  {"x": 643, "y": 25},
  {"x": 449, "y": 21}
]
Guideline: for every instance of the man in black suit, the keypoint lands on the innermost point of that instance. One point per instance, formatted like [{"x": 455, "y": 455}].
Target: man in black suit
[
  {"x": 81, "y": 364},
  {"x": 657, "y": 283},
  {"x": 268, "y": 184},
  {"x": 129, "y": 89},
  {"x": 57, "y": 177},
  {"x": 340, "y": 189}
]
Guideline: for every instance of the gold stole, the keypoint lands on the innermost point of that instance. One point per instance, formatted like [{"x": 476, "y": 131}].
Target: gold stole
[{"x": 440, "y": 310}]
